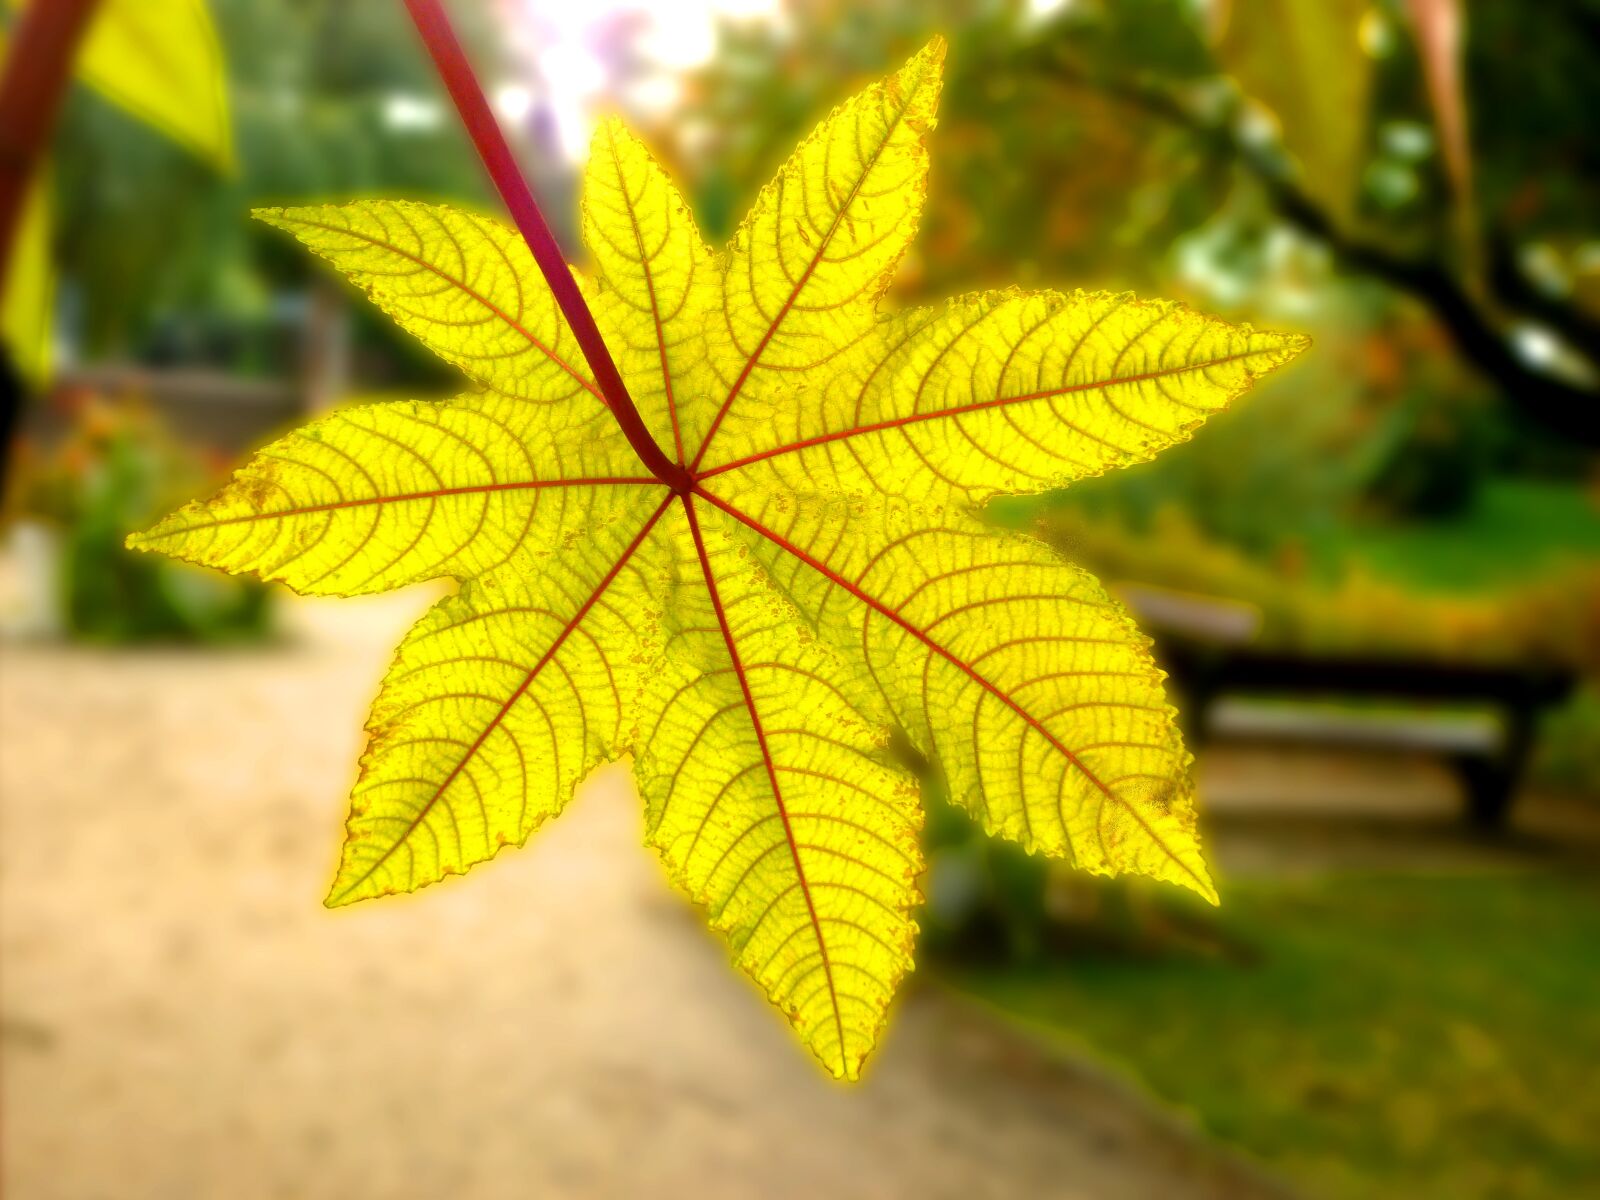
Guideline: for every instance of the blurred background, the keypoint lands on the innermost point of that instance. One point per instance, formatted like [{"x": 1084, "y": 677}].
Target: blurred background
[{"x": 1376, "y": 585}]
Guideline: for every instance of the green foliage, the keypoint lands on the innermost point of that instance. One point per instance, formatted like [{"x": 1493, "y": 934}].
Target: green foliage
[
  {"x": 1555, "y": 619},
  {"x": 118, "y": 468},
  {"x": 1537, "y": 163},
  {"x": 1515, "y": 534},
  {"x": 989, "y": 218},
  {"x": 1568, "y": 755}
]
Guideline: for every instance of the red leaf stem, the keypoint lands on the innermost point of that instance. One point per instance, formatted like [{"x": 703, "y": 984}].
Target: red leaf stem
[
  {"x": 434, "y": 25},
  {"x": 38, "y": 65}
]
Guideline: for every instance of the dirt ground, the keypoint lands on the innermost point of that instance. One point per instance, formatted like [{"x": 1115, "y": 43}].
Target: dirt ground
[{"x": 183, "y": 1019}]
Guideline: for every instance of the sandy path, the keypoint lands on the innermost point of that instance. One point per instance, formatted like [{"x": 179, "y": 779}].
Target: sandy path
[{"x": 183, "y": 1019}]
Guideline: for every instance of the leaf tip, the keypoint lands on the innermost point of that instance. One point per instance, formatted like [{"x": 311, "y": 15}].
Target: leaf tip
[
  {"x": 840, "y": 1065},
  {"x": 607, "y": 128},
  {"x": 144, "y": 540},
  {"x": 1205, "y": 888},
  {"x": 341, "y": 894},
  {"x": 608, "y": 125},
  {"x": 1295, "y": 344},
  {"x": 1284, "y": 348},
  {"x": 275, "y": 216},
  {"x": 224, "y": 156},
  {"x": 925, "y": 67}
]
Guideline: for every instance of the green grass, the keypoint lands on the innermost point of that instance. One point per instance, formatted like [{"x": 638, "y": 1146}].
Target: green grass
[
  {"x": 1382, "y": 1036},
  {"x": 1518, "y": 529}
]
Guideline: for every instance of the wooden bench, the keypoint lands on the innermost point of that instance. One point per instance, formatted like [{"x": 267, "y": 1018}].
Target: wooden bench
[{"x": 1207, "y": 647}]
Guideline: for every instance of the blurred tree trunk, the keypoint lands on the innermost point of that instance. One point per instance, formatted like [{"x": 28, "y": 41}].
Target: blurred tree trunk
[
  {"x": 325, "y": 348},
  {"x": 33, "y": 79},
  {"x": 37, "y": 67}
]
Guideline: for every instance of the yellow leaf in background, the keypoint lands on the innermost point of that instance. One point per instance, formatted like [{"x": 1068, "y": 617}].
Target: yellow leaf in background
[
  {"x": 161, "y": 60},
  {"x": 753, "y": 636},
  {"x": 29, "y": 301},
  {"x": 1305, "y": 62}
]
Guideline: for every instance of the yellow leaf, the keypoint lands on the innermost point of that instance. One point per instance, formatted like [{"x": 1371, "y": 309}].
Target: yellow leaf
[
  {"x": 806, "y": 268},
  {"x": 659, "y": 286},
  {"x": 771, "y": 798},
  {"x": 26, "y": 309},
  {"x": 465, "y": 286},
  {"x": 500, "y": 700},
  {"x": 1019, "y": 677},
  {"x": 161, "y": 60},
  {"x": 1305, "y": 62},
  {"x": 1004, "y": 392},
  {"x": 384, "y": 495},
  {"x": 751, "y": 636}
]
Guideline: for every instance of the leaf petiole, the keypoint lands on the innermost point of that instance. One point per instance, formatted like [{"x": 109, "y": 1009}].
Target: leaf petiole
[{"x": 433, "y": 24}]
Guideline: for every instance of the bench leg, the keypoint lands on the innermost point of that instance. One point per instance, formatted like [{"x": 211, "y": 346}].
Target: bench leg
[
  {"x": 1491, "y": 783},
  {"x": 1489, "y": 788}
]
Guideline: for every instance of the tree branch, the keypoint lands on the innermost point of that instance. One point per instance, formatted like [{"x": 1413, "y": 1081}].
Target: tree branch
[
  {"x": 1564, "y": 408},
  {"x": 37, "y": 68},
  {"x": 33, "y": 79},
  {"x": 1513, "y": 287}
]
